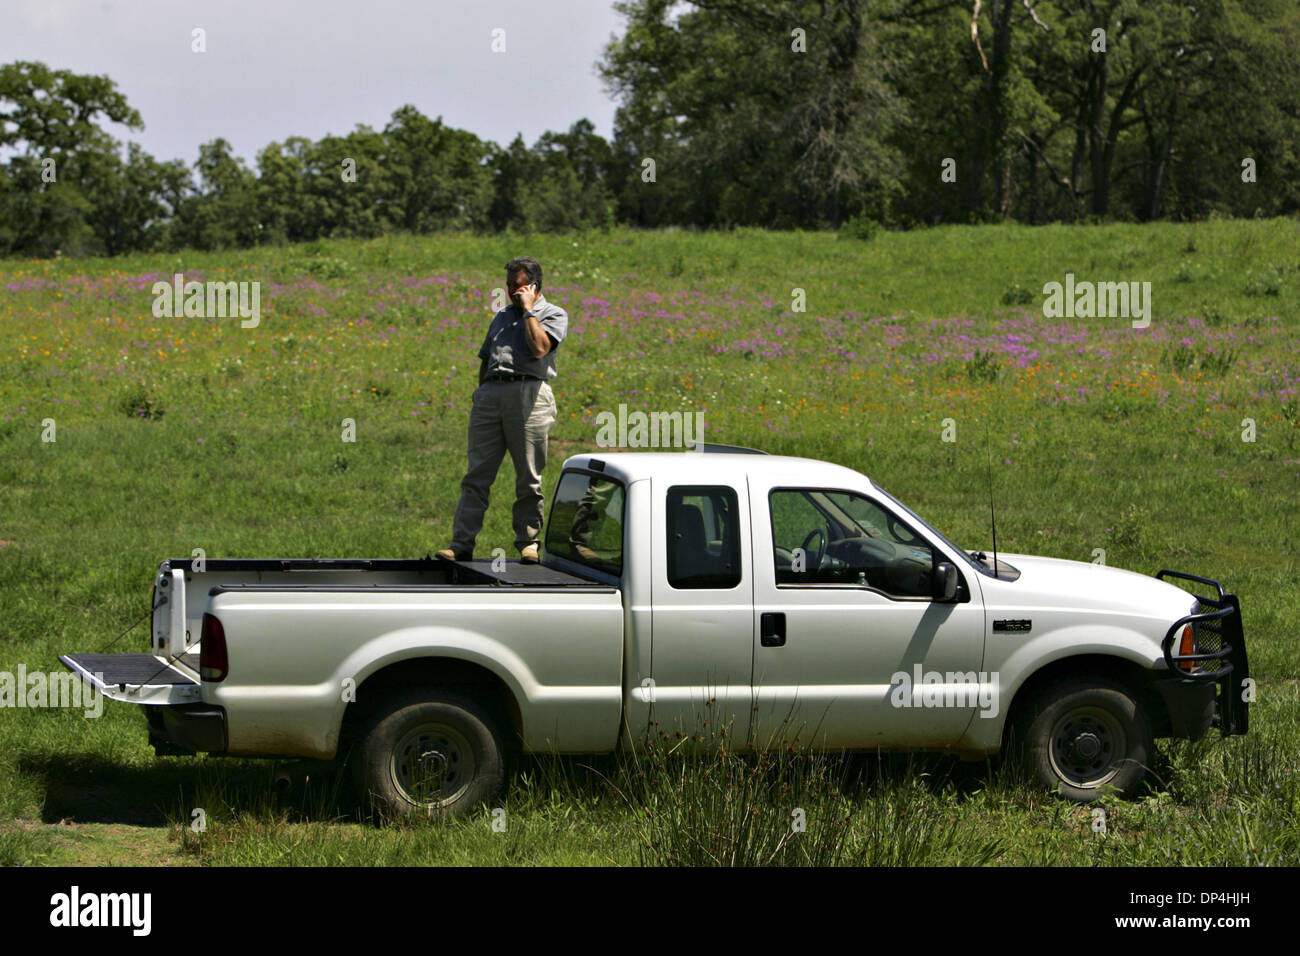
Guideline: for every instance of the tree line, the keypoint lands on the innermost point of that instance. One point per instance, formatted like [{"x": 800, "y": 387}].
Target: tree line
[{"x": 809, "y": 114}]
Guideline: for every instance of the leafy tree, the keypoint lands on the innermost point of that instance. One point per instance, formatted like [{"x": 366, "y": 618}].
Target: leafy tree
[
  {"x": 558, "y": 185},
  {"x": 773, "y": 113},
  {"x": 134, "y": 202},
  {"x": 1180, "y": 89},
  {"x": 1233, "y": 95},
  {"x": 437, "y": 177},
  {"x": 357, "y": 204},
  {"x": 49, "y": 120},
  {"x": 224, "y": 213},
  {"x": 281, "y": 190}
]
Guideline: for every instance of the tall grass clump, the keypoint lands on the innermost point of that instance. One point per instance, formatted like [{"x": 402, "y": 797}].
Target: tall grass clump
[{"x": 698, "y": 801}]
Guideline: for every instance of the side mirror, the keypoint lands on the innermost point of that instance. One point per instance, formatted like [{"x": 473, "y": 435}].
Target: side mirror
[{"x": 945, "y": 582}]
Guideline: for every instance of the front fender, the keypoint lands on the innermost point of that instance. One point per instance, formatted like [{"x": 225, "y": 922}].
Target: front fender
[{"x": 1016, "y": 664}]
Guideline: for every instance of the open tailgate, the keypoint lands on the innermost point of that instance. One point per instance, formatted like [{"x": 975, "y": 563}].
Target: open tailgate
[{"x": 139, "y": 678}]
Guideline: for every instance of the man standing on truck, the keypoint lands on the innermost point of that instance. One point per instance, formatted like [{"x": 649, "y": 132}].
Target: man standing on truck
[{"x": 513, "y": 411}]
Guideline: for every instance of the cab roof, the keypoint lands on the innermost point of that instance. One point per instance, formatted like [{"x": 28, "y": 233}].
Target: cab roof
[{"x": 717, "y": 463}]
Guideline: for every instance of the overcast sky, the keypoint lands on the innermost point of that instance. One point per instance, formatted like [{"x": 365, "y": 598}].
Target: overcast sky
[{"x": 279, "y": 68}]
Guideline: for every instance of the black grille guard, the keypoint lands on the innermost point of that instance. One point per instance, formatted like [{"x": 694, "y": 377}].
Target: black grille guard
[{"x": 1232, "y": 670}]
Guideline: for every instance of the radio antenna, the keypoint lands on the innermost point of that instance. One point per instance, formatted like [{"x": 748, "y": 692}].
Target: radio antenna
[{"x": 992, "y": 517}]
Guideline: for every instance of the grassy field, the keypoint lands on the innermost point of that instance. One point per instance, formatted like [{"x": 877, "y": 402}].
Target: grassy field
[{"x": 176, "y": 434}]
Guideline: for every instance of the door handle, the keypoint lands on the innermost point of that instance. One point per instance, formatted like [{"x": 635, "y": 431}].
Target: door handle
[{"x": 771, "y": 629}]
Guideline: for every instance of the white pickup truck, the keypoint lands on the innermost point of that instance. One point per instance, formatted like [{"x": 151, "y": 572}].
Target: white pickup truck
[{"x": 785, "y": 597}]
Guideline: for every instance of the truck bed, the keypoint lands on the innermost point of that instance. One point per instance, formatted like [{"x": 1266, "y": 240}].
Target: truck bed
[
  {"x": 386, "y": 572},
  {"x": 170, "y": 673}
]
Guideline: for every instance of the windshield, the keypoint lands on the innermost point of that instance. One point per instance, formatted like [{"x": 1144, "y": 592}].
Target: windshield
[{"x": 978, "y": 566}]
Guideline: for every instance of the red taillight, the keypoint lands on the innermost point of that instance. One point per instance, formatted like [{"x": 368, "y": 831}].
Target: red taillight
[
  {"x": 1186, "y": 647},
  {"x": 213, "y": 662}
]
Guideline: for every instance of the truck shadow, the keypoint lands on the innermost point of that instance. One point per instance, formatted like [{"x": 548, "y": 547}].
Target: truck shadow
[{"x": 88, "y": 788}]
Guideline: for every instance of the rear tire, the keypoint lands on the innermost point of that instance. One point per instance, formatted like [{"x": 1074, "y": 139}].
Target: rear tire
[
  {"x": 432, "y": 754},
  {"x": 1085, "y": 737}
]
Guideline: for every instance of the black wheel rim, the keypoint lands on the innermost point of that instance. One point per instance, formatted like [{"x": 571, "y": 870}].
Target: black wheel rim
[
  {"x": 1088, "y": 747},
  {"x": 432, "y": 766}
]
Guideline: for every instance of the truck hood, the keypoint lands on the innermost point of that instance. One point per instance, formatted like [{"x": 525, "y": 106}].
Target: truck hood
[{"x": 1057, "y": 582}]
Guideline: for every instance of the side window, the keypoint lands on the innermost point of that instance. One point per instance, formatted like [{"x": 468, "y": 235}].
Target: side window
[
  {"x": 798, "y": 529},
  {"x": 703, "y": 537},
  {"x": 587, "y": 522},
  {"x": 837, "y": 537}
]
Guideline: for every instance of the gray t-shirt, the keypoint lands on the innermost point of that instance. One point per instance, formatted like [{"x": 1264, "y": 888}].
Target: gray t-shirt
[{"x": 505, "y": 348}]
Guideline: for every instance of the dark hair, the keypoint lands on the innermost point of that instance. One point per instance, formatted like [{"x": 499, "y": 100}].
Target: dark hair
[{"x": 525, "y": 264}]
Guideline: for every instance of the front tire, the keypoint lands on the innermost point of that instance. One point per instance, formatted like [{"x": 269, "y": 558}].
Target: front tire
[
  {"x": 1085, "y": 737},
  {"x": 432, "y": 754}
]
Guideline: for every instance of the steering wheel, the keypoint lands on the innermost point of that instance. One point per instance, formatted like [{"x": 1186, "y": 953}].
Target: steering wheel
[
  {"x": 897, "y": 529},
  {"x": 821, "y": 548}
]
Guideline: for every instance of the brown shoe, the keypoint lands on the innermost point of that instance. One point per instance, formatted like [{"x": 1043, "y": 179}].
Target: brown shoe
[
  {"x": 529, "y": 555},
  {"x": 584, "y": 552},
  {"x": 449, "y": 554}
]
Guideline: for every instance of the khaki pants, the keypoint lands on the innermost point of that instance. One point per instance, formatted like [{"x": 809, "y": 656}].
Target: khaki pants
[{"x": 514, "y": 417}]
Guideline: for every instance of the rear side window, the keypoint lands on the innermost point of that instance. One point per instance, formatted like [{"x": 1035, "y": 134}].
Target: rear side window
[
  {"x": 703, "y": 537},
  {"x": 587, "y": 522}
]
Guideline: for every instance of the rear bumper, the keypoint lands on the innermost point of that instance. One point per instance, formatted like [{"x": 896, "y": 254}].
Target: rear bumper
[{"x": 186, "y": 729}]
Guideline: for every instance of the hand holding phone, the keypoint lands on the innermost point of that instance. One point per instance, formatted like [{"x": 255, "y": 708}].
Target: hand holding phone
[{"x": 527, "y": 297}]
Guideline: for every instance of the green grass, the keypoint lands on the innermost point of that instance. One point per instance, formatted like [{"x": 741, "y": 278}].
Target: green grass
[{"x": 176, "y": 434}]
